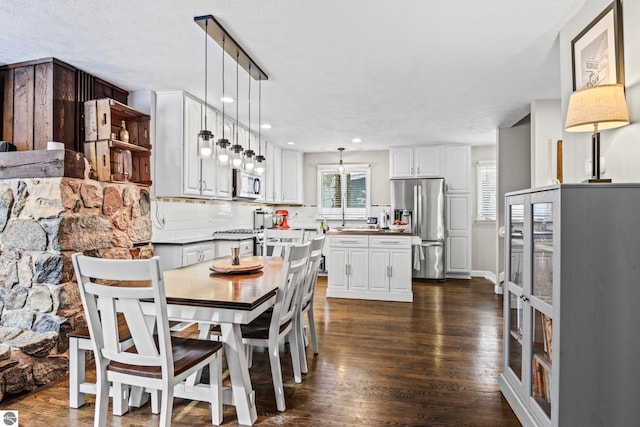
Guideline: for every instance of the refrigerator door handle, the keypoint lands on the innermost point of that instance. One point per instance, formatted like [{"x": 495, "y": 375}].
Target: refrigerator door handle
[
  {"x": 419, "y": 213},
  {"x": 414, "y": 222},
  {"x": 426, "y": 244}
]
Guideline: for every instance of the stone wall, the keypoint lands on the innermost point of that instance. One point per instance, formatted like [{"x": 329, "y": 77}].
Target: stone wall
[{"x": 43, "y": 221}]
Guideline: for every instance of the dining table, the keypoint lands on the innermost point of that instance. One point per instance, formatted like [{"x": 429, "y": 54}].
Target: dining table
[{"x": 195, "y": 293}]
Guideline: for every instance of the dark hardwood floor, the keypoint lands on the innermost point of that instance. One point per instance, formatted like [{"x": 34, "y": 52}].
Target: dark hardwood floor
[{"x": 431, "y": 363}]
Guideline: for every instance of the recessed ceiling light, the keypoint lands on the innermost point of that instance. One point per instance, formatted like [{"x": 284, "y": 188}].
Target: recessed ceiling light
[
  {"x": 291, "y": 143},
  {"x": 266, "y": 126},
  {"x": 356, "y": 140},
  {"x": 226, "y": 99}
]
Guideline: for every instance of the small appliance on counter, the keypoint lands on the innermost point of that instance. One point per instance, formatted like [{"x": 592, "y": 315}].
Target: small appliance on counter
[
  {"x": 262, "y": 219},
  {"x": 372, "y": 222},
  {"x": 281, "y": 219},
  {"x": 383, "y": 220}
]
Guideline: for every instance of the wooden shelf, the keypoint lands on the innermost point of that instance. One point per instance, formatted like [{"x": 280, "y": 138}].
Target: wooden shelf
[
  {"x": 103, "y": 118},
  {"x": 114, "y": 143}
]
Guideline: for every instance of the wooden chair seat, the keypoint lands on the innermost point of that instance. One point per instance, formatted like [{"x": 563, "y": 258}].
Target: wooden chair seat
[
  {"x": 156, "y": 361},
  {"x": 259, "y": 328},
  {"x": 187, "y": 352}
]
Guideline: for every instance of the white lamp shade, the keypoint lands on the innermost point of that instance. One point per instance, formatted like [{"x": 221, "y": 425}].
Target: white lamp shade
[{"x": 602, "y": 106}]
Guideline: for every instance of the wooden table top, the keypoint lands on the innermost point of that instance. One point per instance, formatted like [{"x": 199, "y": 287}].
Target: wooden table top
[{"x": 199, "y": 286}]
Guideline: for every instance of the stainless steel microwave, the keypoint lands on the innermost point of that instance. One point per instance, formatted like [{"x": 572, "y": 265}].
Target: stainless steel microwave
[{"x": 246, "y": 185}]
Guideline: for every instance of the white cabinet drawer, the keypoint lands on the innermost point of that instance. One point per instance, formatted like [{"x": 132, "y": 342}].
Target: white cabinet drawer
[
  {"x": 389, "y": 241},
  {"x": 349, "y": 241}
]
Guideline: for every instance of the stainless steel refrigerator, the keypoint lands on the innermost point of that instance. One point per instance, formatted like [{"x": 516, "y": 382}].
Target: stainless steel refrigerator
[{"x": 421, "y": 203}]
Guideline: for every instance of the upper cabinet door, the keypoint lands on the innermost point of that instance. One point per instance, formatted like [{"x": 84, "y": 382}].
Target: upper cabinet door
[
  {"x": 457, "y": 166},
  {"x": 192, "y": 125},
  {"x": 292, "y": 172},
  {"x": 428, "y": 161},
  {"x": 401, "y": 163}
]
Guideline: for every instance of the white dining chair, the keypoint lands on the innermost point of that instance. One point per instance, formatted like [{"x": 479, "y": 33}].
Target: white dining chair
[
  {"x": 157, "y": 360},
  {"x": 271, "y": 328},
  {"x": 275, "y": 240},
  {"x": 306, "y": 300}
]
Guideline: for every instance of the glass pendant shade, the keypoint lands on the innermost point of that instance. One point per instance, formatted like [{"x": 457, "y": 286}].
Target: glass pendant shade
[
  {"x": 259, "y": 164},
  {"x": 204, "y": 143},
  {"x": 249, "y": 162},
  {"x": 223, "y": 151},
  {"x": 236, "y": 158},
  {"x": 341, "y": 165}
]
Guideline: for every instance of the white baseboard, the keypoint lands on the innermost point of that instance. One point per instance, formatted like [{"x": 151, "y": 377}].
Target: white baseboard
[{"x": 489, "y": 275}]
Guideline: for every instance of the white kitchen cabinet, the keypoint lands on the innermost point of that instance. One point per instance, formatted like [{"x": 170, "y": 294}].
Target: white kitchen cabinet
[
  {"x": 178, "y": 170},
  {"x": 411, "y": 162},
  {"x": 180, "y": 255},
  {"x": 273, "y": 173},
  {"x": 401, "y": 162},
  {"x": 458, "y": 242},
  {"x": 390, "y": 265},
  {"x": 223, "y": 247},
  {"x": 222, "y": 184},
  {"x": 570, "y": 305},
  {"x": 348, "y": 259},
  {"x": 292, "y": 182},
  {"x": 369, "y": 267},
  {"x": 457, "y": 168}
]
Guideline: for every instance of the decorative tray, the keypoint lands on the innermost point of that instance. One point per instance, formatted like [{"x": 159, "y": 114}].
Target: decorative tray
[{"x": 224, "y": 266}]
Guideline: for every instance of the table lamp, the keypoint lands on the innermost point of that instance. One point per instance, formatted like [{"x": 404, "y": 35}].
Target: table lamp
[{"x": 594, "y": 109}]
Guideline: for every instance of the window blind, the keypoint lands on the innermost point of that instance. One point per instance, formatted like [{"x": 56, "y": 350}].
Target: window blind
[
  {"x": 352, "y": 188},
  {"x": 486, "y": 183}
]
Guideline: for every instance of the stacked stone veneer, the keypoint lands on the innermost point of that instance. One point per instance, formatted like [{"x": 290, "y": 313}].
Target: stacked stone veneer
[{"x": 43, "y": 221}]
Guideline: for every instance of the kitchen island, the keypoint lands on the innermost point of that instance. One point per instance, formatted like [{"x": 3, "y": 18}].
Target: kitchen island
[{"x": 369, "y": 264}]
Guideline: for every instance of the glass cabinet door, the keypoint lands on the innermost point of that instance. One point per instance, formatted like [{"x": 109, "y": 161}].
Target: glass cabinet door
[
  {"x": 541, "y": 302},
  {"x": 514, "y": 307},
  {"x": 542, "y": 263}
]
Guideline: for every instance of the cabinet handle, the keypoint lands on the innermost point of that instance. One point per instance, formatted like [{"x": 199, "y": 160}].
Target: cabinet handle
[
  {"x": 524, "y": 298},
  {"x": 347, "y": 241},
  {"x": 389, "y": 242},
  {"x": 104, "y": 118},
  {"x": 346, "y": 269},
  {"x": 390, "y": 271}
]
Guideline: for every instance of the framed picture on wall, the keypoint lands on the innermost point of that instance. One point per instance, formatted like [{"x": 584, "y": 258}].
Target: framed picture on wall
[{"x": 597, "y": 52}]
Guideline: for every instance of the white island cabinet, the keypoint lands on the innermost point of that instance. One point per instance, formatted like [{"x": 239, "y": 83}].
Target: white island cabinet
[
  {"x": 570, "y": 305},
  {"x": 374, "y": 266}
]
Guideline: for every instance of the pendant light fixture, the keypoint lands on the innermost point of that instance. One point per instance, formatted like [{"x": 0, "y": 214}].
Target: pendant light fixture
[
  {"x": 237, "y": 149},
  {"x": 249, "y": 163},
  {"x": 260, "y": 159},
  {"x": 205, "y": 137},
  {"x": 223, "y": 143},
  {"x": 341, "y": 165}
]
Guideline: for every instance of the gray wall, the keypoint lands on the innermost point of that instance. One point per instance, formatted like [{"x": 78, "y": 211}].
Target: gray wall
[
  {"x": 483, "y": 233},
  {"x": 514, "y": 170},
  {"x": 378, "y": 160}
]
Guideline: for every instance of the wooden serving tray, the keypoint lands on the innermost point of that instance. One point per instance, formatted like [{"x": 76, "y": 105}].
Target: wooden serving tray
[{"x": 246, "y": 265}]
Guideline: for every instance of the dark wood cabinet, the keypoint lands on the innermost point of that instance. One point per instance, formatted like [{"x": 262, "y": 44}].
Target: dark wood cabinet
[{"x": 43, "y": 101}]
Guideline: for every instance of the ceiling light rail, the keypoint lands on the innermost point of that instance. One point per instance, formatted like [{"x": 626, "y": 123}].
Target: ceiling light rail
[{"x": 217, "y": 32}]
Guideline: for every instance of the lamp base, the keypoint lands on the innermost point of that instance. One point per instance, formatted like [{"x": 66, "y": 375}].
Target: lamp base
[{"x": 594, "y": 180}]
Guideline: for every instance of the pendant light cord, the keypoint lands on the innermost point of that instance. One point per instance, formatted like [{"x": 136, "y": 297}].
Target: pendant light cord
[
  {"x": 206, "y": 36},
  {"x": 249, "y": 133},
  {"x": 223, "y": 102},
  {"x": 237, "y": 95},
  {"x": 260, "y": 116}
]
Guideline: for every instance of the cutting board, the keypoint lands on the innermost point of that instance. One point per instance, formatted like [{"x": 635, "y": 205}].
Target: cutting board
[{"x": 246, "y": 265}]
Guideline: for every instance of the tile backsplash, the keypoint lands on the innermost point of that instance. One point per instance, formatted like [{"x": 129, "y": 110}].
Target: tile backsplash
[{"x": 179, "y": 219}]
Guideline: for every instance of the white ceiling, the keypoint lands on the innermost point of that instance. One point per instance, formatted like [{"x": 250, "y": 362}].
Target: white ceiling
[{"x": 390, "y": 72}]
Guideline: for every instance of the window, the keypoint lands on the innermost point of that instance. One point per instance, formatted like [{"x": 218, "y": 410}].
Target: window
[
  {"x": 352, "y": 188},
  {"x": 486, "y": 182}
]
